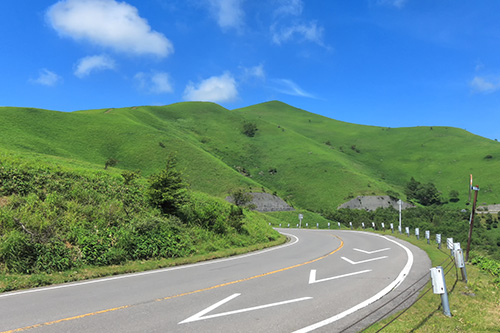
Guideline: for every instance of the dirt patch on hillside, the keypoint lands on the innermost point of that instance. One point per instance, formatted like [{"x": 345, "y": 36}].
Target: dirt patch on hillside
[
  {"x": 493, "y": 209},
  {"x": 265, "y": 202},
  {"x": 371, "y": 203}
]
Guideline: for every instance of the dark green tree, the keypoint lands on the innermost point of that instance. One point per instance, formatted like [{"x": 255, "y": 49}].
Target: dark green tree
[
  {"x": 425, "y": 194},
  {"x": 412, "y": 188},
  {"x": 250, "y": 129},
  {"x": 167, "y": 189},
  {"x": 428, "y": 194}
]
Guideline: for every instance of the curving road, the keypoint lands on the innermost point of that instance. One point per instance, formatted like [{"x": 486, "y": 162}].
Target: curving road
[{"x": 321, "y": 281}]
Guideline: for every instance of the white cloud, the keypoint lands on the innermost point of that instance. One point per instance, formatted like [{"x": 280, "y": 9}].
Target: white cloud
[
  {"x": 288, "y": 25},
  {"x": 289, "y": 7},
  {"x": 310, "y": 32},
  {"x": 228, "y": 13},
  {"x": 155, "y": 83},
  {"x": 289, "y": 87},
  {"x": 484, "y": 85},
  {"x": 214, "y": 89},
  {"x": 255, "y": 72},
  {"x": 108, "y": 23},
  {"x": 46, "y": 78},
  {"x": 392, "y": 3},
  {"x": 93, "y": 63}
]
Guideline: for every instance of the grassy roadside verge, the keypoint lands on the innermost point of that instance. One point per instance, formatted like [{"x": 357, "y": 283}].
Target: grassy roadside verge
[
  {"x": 10, "y": 282},
  {"x": 474, "y": 305}
]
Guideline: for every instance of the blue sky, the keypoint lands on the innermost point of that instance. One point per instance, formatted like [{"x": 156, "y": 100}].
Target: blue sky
[{"x": 393, "y": 63}]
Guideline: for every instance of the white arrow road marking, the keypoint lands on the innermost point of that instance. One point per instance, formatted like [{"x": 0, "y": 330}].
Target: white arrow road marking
[
  {"x": 394, "y": 284},
  {"x": 201, "y": 315},
  {"x": 312, "y": 276},
  {"x": 362, "y": 261},
  {"x": 372, "y": 252}
]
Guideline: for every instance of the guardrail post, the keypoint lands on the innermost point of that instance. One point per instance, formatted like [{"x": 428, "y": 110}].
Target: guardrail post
[
  {"x": 439, "y": 287},
  {"x": 459, "y": 260}
]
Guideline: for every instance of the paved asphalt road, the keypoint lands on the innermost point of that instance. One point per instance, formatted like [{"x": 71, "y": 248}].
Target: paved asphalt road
[{"x": 322, "y": 281}]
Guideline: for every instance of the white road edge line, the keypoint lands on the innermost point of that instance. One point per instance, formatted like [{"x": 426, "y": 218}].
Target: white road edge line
[
  {"x": 393, "y": 285},
  {"x": 125, "y": 276},
  {"x": 199, "y": 315}
]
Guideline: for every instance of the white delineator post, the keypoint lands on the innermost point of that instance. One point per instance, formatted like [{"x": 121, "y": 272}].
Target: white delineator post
[{"x": 400, "y": 203}]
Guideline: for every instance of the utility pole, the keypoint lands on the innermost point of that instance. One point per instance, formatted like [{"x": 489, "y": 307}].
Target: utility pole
[{"x": 475, "y": 189}]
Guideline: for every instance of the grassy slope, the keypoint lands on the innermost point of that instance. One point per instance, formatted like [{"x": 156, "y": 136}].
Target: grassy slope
[
  {"x": 210, "y": 147},
  {"x": 442, "y": 155},
  {"x": 94, "y": 136}
]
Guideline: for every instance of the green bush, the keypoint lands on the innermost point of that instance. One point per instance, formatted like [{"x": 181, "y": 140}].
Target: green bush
[
  {"x": 250, "y": 129},
  {"x": 213, "y": 214},
  {"x": 17, "y": 252}
]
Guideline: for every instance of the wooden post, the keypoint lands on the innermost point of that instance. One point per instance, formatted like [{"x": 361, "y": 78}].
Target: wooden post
[{"x": 476, "y": 189}]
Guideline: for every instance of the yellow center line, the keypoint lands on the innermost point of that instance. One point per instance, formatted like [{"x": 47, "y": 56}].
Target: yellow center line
[{"x": 179, "y": 295}]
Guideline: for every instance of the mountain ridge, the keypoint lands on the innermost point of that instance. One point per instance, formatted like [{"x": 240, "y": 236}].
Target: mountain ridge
[{"x": 317, "y": 162}]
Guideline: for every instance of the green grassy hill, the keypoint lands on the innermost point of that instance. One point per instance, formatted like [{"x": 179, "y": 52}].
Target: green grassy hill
[{"x": 312, "y": 161}]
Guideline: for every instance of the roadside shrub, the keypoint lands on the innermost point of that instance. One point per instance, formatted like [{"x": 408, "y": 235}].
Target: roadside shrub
[
  {"x": 17, "y": 252},
  {"x": 213, "y": 214},
  {"x": 54, "y": 219},
  {"x": 154, "y": 237},
  {"x": 53, "y": 256}
]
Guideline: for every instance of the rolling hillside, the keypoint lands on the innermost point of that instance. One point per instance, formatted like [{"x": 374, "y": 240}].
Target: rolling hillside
[{"x": 311, "y": 161}]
